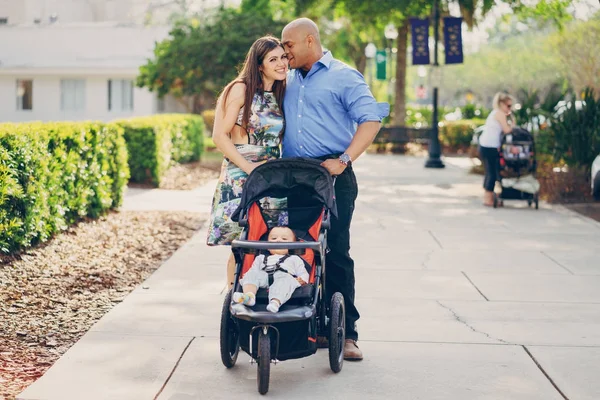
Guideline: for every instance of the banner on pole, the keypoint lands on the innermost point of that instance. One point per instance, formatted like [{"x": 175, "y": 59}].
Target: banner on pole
[
  {"x": 453, "y": 40},
  {"x": 381, "y": 62},
  {"x": 420, "y": 41}
]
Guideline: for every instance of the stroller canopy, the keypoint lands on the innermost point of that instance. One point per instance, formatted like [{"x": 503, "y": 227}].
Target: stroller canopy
[{"x": 303, "y": 181}]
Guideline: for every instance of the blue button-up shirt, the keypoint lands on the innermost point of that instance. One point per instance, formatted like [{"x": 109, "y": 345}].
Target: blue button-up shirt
[{"x": 323, "y": 109}]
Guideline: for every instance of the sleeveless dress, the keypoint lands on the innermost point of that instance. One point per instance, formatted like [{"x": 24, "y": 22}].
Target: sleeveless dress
[{"x": 265, "y": 128}]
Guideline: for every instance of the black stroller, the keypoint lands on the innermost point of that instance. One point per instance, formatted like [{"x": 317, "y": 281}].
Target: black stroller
[
  {"x": 518, "y": 168},
  {"x": 292, "y": 332}
]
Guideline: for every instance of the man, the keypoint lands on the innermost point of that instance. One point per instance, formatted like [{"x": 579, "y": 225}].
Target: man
[{"x": 330, "y": 115}]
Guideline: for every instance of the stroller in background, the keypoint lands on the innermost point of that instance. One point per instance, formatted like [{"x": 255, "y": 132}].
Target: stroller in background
[
  {"x": 518, "y": 168},
  {"x": 292, "y": 332}
]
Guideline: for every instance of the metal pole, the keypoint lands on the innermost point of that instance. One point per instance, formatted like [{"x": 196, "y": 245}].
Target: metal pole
[{"x": 434, "y": 160}]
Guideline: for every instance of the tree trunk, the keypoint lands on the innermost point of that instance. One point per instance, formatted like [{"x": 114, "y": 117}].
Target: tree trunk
[
  {"x": 399, "y": 113},
  {"x": 361, "y": 63}
]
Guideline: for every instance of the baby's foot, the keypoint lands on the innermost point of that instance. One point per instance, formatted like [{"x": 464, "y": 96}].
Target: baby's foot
[
  {"x": 273, "y": 306},
  {"x": 248, "y": 299}
]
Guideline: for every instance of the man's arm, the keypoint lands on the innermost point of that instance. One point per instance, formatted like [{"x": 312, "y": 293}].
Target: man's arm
[
  {"x": 365, "y": 111},
  {"x": 364, "y": 136}
]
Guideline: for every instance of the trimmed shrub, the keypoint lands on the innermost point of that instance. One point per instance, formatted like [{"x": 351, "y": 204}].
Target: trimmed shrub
[
  {"x": 457, "y": 135},
  {"x": 54, "y": 174},
  {"x": 155, "y": 143},
  {"x": 209, "y": 120}
]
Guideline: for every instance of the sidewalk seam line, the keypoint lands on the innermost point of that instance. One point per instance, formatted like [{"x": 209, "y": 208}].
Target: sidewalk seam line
[
  {"x": 557, "y": 263},
  {"x": 174, "y": 368},
  {"x": 436, "y": 239},
  {"x": 475, "y": 286},
  {"x": 545, "y": 373}
]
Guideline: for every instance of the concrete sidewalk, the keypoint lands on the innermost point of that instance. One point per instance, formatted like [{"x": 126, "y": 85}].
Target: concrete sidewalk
[{"x": 458, "y": 301}]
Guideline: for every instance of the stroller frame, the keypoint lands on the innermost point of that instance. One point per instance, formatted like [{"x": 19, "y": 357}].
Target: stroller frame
[
  {"x": 510, "y": 193},
  {"x": 301, "y": 323}
]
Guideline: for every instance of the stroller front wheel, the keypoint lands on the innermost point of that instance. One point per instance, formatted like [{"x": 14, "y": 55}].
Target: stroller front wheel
[
  {"x": 229, "y": 335},
  {"x": 264, "y": 362},
  {"x": 337, "y": 332}
]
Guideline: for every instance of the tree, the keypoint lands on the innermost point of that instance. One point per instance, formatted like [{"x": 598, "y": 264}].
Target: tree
[
  {"x": 198, "y": 59},
  {"x": 578, "y": 47}
]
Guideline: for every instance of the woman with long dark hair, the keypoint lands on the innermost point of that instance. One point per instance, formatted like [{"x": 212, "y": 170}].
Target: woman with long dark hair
[{"x": 248, "y": 129}]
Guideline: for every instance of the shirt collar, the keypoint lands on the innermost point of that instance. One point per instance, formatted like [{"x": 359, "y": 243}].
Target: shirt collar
[{"x": 326, "y": 59}]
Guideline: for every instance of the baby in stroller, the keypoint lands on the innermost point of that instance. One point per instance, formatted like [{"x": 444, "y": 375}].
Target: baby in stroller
[{"x": 281, "y": 272}]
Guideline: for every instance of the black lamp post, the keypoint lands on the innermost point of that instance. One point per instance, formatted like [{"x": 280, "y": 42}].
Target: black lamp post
[{"x": 434, "y": 160}]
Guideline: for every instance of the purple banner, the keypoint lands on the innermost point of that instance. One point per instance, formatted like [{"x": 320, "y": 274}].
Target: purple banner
[
  {"x": 453, "y": 40},
  {"x": 420, "y": 41}
]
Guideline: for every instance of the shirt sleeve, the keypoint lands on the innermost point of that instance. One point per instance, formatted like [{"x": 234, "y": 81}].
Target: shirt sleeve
[
  {"x": 358, "y": 99},
  {"x": 258, "y": 261},
  {"x": 300, "y": 269}
]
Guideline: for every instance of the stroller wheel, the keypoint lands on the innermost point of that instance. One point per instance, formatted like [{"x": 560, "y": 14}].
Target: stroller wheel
[
  {"x": 529, "y": 203},
  {"x": 537, "y": 201},
  {"x": 337, "y": 332},
  {"x": 229, "y": 337},
  {"x": 495, "y": 200},
  {"x": 264, "y": 361}
]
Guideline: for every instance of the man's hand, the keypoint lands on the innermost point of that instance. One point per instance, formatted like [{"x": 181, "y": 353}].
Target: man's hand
[
  {"x": 301, "y": 281},
  {"x": 334, "y": 166}
]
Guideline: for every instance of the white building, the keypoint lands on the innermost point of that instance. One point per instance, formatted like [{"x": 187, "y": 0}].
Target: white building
[
  {"x": 76, "y": 72},
  {"x": 16, "y": 12}
]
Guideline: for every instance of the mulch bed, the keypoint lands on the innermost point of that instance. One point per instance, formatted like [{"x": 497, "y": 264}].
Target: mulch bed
[
  {"x": 186, "y": 176},
  {"x": 52, "y": 294}
]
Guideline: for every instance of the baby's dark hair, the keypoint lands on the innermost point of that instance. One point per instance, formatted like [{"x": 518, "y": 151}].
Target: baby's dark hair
[{"x": 283, "y": 226}]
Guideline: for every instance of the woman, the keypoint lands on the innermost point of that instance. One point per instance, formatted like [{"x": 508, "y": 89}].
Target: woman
[
  {"x": 248, "y": 129},
  {"x": 497, "y": 123}
]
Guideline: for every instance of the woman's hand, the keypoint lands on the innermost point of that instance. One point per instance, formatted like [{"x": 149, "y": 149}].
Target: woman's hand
[{"x": 250, "y": 166}]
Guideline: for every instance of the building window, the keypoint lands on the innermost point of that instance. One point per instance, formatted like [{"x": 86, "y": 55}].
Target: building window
[
  {"x": 24, "y": 94},
  {"x": 72, "y": 94},
  {"x": 120, "y": 95}
]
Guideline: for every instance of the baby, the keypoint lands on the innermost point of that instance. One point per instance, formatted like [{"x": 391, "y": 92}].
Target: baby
[{"x": 288, "y": 273}]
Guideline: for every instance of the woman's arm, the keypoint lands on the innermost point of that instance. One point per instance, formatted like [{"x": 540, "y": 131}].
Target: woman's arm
[
  {"x": 501, "y": 117},
  {"x": 225, "y": 119}
]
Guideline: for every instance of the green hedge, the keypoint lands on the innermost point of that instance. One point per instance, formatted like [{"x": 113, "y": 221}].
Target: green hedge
[
  {"x": 53, "y": 174},
  {"x": 458, "y": 134},
  {"x": 155, "y": 142}
]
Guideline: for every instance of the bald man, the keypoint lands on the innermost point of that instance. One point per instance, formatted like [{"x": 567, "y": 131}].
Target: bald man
[{"x": 330, "y": 115}]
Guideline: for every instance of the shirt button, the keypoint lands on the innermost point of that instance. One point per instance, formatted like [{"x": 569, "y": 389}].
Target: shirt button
[
  {"x": 299, "y": 115},
  {"x": 302, "y": 85},
  {"x": 299, "y": 130},
  {"x": 301, "y": 147},
  {"x": 300, "y": 101}
]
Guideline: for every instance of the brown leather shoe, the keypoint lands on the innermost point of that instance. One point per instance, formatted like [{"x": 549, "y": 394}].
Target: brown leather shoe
[
  {"x": 322, "y": 342},
  {"x": 351, "y": 351}
]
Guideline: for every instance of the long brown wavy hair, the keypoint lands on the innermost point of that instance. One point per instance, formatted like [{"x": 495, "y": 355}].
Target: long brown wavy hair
[{"x": 251, "y": 76}]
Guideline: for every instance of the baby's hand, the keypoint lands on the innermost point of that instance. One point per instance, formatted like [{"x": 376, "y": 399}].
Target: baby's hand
[{"x": 301, "y": 281}]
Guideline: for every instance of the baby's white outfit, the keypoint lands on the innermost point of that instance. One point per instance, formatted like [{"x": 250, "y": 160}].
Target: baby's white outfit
[{"x": 284, "y": 283}]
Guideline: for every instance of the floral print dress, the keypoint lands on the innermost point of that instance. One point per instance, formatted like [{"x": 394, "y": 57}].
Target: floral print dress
[{"x": 265, "y": 128}]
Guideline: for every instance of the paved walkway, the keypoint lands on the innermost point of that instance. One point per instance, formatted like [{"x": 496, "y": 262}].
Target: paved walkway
[{"x": 458, "y": 301}]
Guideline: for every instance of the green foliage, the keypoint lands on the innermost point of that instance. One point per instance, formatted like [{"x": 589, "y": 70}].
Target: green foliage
[
  {"x": 458, "y": 134},
  {"x": 536, "y": 108},
  {"x": 470, "y": 111},
  {"x": 198, "y": 59},
  {"x": 578, "y": 50},
  {"x": 154, "y": 143},
  {"x": 576, "y": 133},
  {"x": 209, "y": 121},
  {"x": 53, "y": 174}
]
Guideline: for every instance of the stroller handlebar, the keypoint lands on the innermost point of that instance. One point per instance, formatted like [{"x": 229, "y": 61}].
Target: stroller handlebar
[{"x": 261, "y": 245}]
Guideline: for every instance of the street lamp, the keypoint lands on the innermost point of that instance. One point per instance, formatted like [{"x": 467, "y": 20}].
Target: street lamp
[
  {"x": 434, "y": 160},
  {"x": 370, "y": 52}
]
